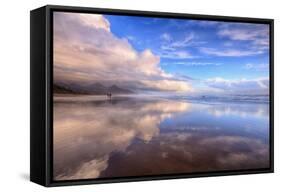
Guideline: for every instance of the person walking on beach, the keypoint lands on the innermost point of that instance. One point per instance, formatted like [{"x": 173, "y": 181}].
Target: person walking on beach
[{"x": 109, "y": 95}]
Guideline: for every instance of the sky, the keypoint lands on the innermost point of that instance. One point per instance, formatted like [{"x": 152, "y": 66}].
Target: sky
[{"x": 160, "y": 54}]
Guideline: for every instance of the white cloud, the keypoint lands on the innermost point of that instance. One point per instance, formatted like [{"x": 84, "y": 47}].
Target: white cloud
[
  {"x": 170, "y": 85},
  {"x": 257, "y": 67},
  {"x": 183, "y": 43},
  {"x": 167, "y": 48},
  {"x": 176, "y": 55},
  {"x": 196, "y": 63},
  {"x": 203, "y": 23},
  {"x": 188, "y": 40},
  {"x": 256, "y": 37},
  {"x": 166, "y": 37},
  {"x": 95, "y": 21},
  {"x": 86, "y": 51},
  {"x": 238, "y": 34},
  {"x": 240, "y": 86},
  {"x": 229, "y": 52},
  {"x": 257, "y": 34},
  {"x": 245, "y": 34},
  {"x": 176, "y": 49}
]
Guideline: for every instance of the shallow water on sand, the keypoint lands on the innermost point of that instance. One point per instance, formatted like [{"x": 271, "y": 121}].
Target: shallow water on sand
[{"x": 131, "y": 136}]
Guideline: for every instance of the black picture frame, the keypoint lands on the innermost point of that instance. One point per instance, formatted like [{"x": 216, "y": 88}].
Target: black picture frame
[{"x": 41, "y": 102}]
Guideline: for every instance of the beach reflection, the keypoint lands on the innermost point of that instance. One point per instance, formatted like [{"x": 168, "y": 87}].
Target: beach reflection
[{"x": 95, "y": 137}]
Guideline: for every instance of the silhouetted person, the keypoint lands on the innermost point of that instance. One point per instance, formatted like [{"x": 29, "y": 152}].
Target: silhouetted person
[{"x": 109, "y": 95}]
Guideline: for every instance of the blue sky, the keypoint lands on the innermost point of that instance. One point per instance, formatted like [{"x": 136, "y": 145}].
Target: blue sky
[
  {"x": 160, "y": 35},
  {"x": 147, "y": 53}
]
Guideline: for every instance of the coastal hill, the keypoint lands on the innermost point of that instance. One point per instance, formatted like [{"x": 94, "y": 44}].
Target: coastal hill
[
  {"x": 93, "y": 89},
  {"x": 62, "y": 89}
]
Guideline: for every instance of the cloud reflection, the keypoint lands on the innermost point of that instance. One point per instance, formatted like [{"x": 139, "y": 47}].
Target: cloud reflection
[
  {"x": 188, "y": 152},
  {"x": 258, "y": 110},
  {"x": 95, "y": 138},
  {"x": 85, "y": 134}
]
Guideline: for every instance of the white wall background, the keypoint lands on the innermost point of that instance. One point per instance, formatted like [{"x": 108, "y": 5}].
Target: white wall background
[{"x": 14, "y": 94}]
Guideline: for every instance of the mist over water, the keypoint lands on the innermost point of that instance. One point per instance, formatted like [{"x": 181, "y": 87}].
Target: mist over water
[{"x": 96, "y": 137}]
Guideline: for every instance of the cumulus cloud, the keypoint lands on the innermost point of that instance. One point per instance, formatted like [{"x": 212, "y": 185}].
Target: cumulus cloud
[
  {"x": 86, "y": 51},
  {"x": 95, "y": 21},
  {"x": 170, "y": 85},
  {"x": 240, "y": 86}
]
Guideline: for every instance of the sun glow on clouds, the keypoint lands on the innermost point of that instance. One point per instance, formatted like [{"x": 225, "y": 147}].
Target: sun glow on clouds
[
  {"x": 95, "y": 21},
  {"x": 90, "y": 48},
  {"x": 86, "y": 51}
]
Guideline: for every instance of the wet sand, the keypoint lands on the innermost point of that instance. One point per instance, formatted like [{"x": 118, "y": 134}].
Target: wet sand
[{"x": 95, "y": 137}]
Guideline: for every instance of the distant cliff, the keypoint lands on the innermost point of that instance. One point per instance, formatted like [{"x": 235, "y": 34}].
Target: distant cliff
[
  {"x": 94, "y": 89},
  {"x": 62, "y": 89}
]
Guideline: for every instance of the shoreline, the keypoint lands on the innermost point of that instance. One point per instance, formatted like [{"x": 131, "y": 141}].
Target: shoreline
[{"x": 195, "y": 100}]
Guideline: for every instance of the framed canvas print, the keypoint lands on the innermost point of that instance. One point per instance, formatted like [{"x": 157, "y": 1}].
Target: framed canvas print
[{"x": 123, "y": 95}]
